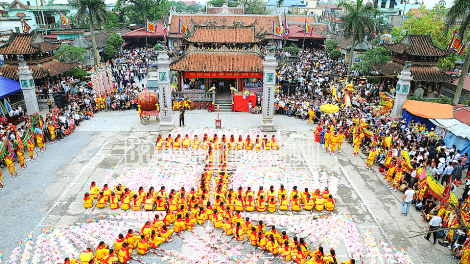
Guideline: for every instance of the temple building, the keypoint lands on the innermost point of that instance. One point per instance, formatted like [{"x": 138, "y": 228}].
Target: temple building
[
  {"x": 36, "y": 52},
  {"x": 221, "y": 57},
  {"x": 423, "y": 54}
]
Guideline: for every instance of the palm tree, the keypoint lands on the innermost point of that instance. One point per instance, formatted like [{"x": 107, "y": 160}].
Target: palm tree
[
  {"x": 460, "y": 10},
  {"x": 358, "y": 23},
  {"x": 96, "y": 11}
]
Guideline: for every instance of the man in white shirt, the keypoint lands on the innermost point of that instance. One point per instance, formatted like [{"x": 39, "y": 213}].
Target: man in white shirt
[{"x": 407, "y": 199}]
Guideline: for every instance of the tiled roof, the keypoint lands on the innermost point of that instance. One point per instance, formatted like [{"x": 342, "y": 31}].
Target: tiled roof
[
  {"x": 219, "y": 62},
  {"x": 142, "y": 33},
  {"x": 39, "y": 70},
  {"x": 20, "y": 43},
  {"x": 263, "y": 22},
  {"x": 397, "y": 47},
  {"x": 299, "y": 19},
  {"x": 390, "y": 68},
  {"x": 55, "y": 67},
  {"x": 223, "y": 35},
  {"x": 417, "y": 45},
  {"x": 418, "y": 72},
  {"x": 466, "y": 83},
  {"x": 101, "y": 39},
  {"x": 429, "y": 74},
  {"x": 296, "y": 32},
  {"x": 463, "y": 115}
]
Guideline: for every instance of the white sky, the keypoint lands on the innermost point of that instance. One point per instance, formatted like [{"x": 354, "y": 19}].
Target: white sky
[{"x": 428, "y": 3}]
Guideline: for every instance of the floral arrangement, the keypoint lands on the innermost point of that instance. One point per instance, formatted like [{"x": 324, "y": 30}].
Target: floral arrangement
[{"x": 246, "y": 94}]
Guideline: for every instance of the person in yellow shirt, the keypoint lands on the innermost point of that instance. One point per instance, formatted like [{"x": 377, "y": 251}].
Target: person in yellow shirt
[
  {"x": 330, "y": 203},
  {"x": 118, "y": 242},
  {"x": 334, "y": 141},
  {"x": 319, "y": 203},
  {"x": 114, "y": 201},
  {"x": 131, "y": 239},
  {"x": 87, "y": 256},
  {"x": 357, "y": 144},
  {"x": 272, "y": 245},
  {"x": 179, "y": 225},
  {"x": 40, "y": 141},
  {"x": 94, "y": 190},
  {"x": 166, "y": 233},
  {"x": 11, "y": 166},
  {"x": 111, "y": 258},
  {"x": 308, "y": 205},
  {"x": 227, "y": 226},
  {"x": 124, "y": 253},
  {"x": 142, "y": 245},
  {"x": 101, "y": 252},
  {"x": 371, "y": 158},
  {"x": 327, "y": 140},
  {"x": 285, "y": 251},
  {"x": 239, "y": 232},
  {"x": 87, "y": 201},
  {"x": 155, "y": 240},
  {"x": 30, "y": 146},
  {"x": 340, "y": 140}
]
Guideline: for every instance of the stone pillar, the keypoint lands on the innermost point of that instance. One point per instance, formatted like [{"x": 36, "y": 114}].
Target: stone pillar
[
  {"x": 402, "y": 89},
  {"x": 269, "y": 80},
  {"x": 164, "y": 90},
  {"x": 28, "y": 87}
]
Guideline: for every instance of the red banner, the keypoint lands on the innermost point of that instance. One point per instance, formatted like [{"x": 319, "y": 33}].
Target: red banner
[{"x": 223, "y": 75}]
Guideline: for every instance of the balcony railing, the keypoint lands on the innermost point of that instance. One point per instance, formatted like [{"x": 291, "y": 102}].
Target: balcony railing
[{"x": 13, "y": 18}]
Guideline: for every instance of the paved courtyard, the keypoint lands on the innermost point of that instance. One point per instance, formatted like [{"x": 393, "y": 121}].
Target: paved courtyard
[{"x": 49, "y": 192}]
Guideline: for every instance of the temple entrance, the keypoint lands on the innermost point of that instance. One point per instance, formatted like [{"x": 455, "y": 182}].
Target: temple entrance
[{"x": 222, "y": 87}]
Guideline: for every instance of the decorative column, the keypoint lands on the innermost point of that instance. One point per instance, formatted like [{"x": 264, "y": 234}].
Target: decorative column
[
  {"x": 28, "y": 87},
  {"x": 164, "y": 90},
  {"x": 402, "y": 89},
  {"x": 269, "y": 80}
]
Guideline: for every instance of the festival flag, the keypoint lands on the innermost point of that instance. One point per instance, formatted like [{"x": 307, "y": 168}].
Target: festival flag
[
  {"x": 4, "y": 110},
  {"x": 456, "y": 44},
  {"x": 277, "y": 30},
  {"x": 286, "y": 28},
  {"x": 64, "y": 21},
  {"x": 7, "y": 105},
  {"x": 308, "y": 28},
  {"x": 183, "y": 28},
  {"x": 164, "y": 25},
  {"x": 150, "y": 27},
  {"x": 24, "y": 25}
]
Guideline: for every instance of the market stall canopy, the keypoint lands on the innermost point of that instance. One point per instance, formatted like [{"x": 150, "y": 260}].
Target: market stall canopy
[
  {"x": 8, "y": 87},
  {"x": 429, "y": 110}
]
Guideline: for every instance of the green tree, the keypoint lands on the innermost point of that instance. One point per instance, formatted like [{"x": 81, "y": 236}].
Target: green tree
[
  {"x": 371, "y": 58},
  {"x": 459, "y": 10},
  {"x": 194, "y": 8},
  {"x": 71, "y": 54},
  {"x": 113, "y": 21},
  {"x": 178, "y": 5},
  {"x": 254, "y": 7},
  {"x": 335, "y": 54},
  {"x": 358, "y": 24},
  {"x": 137, "y": 10},
  {"x": 219, "y": 3},
  {"x": 77, "y": 72},
  {"x": 114, "y": 45},
  {"x": 330, "y": 45},
  {"x": 292, "y": 49},
  {"x": 279, "y": 3},
  {"x": 96, "y": 12}
]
